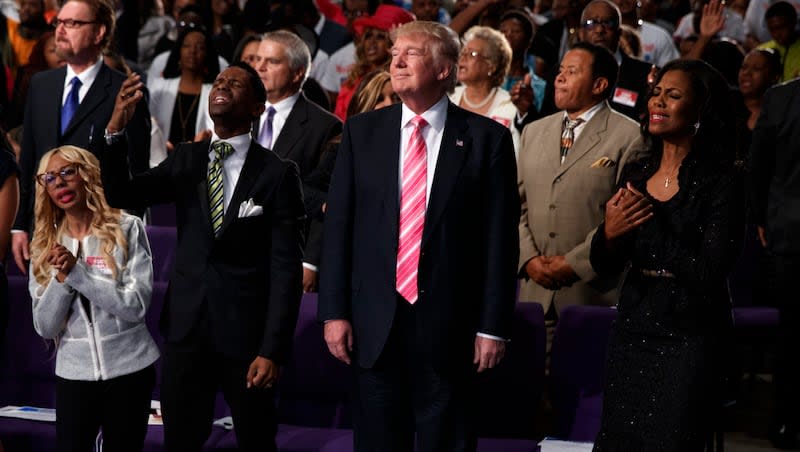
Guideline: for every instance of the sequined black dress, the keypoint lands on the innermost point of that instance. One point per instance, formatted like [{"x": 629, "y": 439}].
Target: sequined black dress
[{"x": 665, "y": 368}]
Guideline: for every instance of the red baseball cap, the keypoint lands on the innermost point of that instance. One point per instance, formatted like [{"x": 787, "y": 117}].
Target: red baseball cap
[{"x": 385, "y": 18}]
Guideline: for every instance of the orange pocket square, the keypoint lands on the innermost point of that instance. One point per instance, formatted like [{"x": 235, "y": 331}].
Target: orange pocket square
[{"x": 603, "y": 162}]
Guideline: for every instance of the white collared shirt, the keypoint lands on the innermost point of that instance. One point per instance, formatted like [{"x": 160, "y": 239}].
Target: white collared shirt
[
  {"x": 282, "y": 110},
  {"x": 318, "y": 26},
  {"x": 232, "y": 165},
  {"x": 86, "y": 77},
  {"x": 432, "y": 133},
  {"x": 586, "y": 116}
]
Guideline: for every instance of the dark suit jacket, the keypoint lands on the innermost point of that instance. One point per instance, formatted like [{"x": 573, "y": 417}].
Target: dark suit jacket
[
  {"x": 248, "y": 279},
  {"x": 42, "y": 127},
  {"x": 632, "y": 77},
  {"x": 333, "y": 37},
  {"x": 775, "y": 168},
  {"x": 307, "y": 131},
  {"x": 469, "y": 245}
]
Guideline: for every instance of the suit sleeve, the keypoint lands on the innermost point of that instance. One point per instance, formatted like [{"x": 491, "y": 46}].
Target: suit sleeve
[
  {"x": 286, "y": 275},
  {"x": 126, "y": 191},
  {"x": 527, "y": 246},
  {"x": 138, "y": 136},
  {"x": 762, "y": 156},
  {"x": 27, "y": 162},
  {"x": 337, "y": 246},
  {"x": 502, "y": 239}
]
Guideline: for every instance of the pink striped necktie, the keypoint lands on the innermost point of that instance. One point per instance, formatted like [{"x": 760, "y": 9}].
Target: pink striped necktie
[{"x": 412, "y": 211}]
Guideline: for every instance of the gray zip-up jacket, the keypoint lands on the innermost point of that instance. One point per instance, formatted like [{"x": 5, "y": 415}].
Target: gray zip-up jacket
[{"x": 113, "y": 340}]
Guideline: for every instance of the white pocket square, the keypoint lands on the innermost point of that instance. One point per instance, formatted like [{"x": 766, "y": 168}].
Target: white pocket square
[{"x": 249, "y": 209}]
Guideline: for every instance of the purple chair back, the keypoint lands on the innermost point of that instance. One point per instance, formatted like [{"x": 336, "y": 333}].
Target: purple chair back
[
  {"x": 314, "y": 386},
  {"x": 509, "y": 395},
  {"x": 27, "y": 366},
  {"x": 577, "y": 368},
  {"x": 163, "y": 240}
]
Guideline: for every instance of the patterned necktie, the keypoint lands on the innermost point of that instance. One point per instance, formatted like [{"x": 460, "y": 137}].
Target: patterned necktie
[
  {"x": 265, "y": 137},
  {"x": 568, "y": 136},
  {"x": 412, "y": 211},
  {"x": 222, "y": 149},
  {"x": 71, "y": 105}
]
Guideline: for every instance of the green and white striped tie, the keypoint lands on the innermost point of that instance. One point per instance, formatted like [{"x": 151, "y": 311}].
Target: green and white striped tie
[{"x": 222, "y": 149}]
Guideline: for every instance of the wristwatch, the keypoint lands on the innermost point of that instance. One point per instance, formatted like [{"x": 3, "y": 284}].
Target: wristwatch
[{"x": 113, "y": 137}]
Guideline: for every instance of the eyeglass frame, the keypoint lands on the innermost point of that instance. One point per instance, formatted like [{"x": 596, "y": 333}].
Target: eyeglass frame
[
  {"x": 71, "y": 24},
  {"x": 608, "y": 24},
  {"x": 473, "y": 54},
  {"x": 62, "y": 173}
]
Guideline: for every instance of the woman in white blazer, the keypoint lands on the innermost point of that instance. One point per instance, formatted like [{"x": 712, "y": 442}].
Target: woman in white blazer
[{"x": 179, "y": 101}]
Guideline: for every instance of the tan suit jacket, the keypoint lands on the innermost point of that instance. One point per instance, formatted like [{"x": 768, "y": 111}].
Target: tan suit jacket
[{"x": 562, "y": 204}]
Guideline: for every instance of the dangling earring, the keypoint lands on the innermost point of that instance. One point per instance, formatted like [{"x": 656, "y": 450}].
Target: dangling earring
[{"x": 696, "y": 127}]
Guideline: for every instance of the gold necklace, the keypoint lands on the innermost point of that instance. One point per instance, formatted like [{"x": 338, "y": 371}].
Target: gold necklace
[
  {"x": 183, "y": 119},
  {"x": 668, "y": 179}
]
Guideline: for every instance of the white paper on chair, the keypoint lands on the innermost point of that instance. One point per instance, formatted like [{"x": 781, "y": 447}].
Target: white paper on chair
[
  {"x": 29, "y": 412},
  {"x": 155, "y": 413},
  {"x": 554, "y": 445},
  {"x": 224, "y": 422}
]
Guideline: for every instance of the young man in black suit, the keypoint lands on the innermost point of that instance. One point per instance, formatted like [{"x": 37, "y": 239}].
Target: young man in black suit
[
  {"x": 234, "y": 297},
  {"x": 295, "y": 128},
  {"x": 71, "y": 105},
  {"x": 420, "y": 249}
]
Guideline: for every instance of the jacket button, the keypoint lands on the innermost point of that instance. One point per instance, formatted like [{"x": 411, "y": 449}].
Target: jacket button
[
  {"x": 552, "y": 207},
  {"x": 557, "y": 179},
  {"x": 552, "y": 234}
]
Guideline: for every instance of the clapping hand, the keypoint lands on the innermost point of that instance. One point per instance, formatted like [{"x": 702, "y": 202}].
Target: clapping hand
[
  {"x": 62, "y": 260},
  {"x": 522, "y": 94},
  {"x": 626, "y": 211}
]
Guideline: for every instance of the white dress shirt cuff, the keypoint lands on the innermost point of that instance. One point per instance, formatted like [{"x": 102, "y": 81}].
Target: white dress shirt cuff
[
  {"x": 311, "y": 267},
  {"x": 489, "y": 336}
]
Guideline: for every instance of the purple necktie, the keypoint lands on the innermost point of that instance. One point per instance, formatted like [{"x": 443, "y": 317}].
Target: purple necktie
[{"x": 265, "y": 137}]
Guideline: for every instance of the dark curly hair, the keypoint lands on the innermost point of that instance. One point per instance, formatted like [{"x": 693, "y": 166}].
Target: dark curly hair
[
  {"x": 172, "y": 69},
  {"x": 715, "y": 140}
]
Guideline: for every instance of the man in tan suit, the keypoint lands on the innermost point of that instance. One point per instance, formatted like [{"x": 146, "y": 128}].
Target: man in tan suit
[{"x": 565, "y": 180}]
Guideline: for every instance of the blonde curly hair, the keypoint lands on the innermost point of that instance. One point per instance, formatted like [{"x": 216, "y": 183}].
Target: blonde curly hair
[{"x": 50, "y": 219}]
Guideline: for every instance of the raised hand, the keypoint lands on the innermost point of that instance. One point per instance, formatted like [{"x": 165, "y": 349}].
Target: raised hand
[
  {"x": 713, "y": 20},
  {"x": 125, "y": 105}
]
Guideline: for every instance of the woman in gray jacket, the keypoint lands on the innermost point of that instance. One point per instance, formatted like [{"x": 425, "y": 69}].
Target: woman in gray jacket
[{"x": 91, "y": 282}]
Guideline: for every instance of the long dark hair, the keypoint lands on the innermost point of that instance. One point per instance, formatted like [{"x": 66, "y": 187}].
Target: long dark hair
[
  {"x": 715, "y": 140},
  {"x": 172, "y": 69}
]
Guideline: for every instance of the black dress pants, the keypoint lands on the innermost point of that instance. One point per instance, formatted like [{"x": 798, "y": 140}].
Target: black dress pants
[
  {"x": 120, "y": 406},
  {"x": 406, "y": 393},
  {"x": 193, "y": 372}
]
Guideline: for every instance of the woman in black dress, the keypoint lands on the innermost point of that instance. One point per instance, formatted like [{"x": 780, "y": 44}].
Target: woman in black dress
[{"x": 676, "y": 225}]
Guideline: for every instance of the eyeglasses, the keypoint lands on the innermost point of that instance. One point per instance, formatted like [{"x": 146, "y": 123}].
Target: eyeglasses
[
  {"x": 473, "y": 54},
  {"x": 193, "y": 25},
  {"x": 72, "y": 23},
  {"x": 608, "y": 24},
  {"x": 48, "y": 179}
]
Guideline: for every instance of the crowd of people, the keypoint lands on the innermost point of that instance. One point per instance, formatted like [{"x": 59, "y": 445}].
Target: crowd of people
[{"x": 422, "y": 165}]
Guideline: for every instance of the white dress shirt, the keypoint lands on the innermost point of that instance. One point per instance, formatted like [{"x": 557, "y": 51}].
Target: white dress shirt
[
  {"x": 436, "y": 117},
  {"x": 231, "y": 166},
  {"x": 586, "y": 116},
  {"x": 86, "y": 77},
  {"x": 282, "y": 110}
]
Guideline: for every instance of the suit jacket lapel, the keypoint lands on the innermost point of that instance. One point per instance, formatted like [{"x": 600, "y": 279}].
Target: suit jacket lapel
[
  {"x": 96, "y": 95},
  {"x": 252, "y": 169},
  {"x": 387, "y": 136},
  {"x": 54, "y": 125},
  {"x": 202, "y": 161},
  {"x": 588, "y": 139},
  {"x": 456, "y": 144},
  {"x": 292, "y": 129},
  {"x": 551, "y": 143}
]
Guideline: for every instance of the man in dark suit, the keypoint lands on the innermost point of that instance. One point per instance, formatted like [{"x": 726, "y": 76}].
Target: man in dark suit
[
  {"x": 233, "y": 300},
  {"x": 600, "y": 25},
  {"x": 295, "y": 128},
  {"x": 419, "y": 252},
  {"x": 71, "y": 105},
  {"x": 775, "y": 204}
]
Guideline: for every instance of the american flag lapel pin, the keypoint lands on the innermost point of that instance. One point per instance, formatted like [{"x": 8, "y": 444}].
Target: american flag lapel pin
[{"x": 459, "y": 144}]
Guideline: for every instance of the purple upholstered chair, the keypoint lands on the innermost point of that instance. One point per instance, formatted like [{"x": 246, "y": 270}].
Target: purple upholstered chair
[
  {"x": 577, "y": 367},
  {"x": 27, "y": 374},
  {"x": 162, "y": 215},
  {"x": 163, "y": 240}
]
